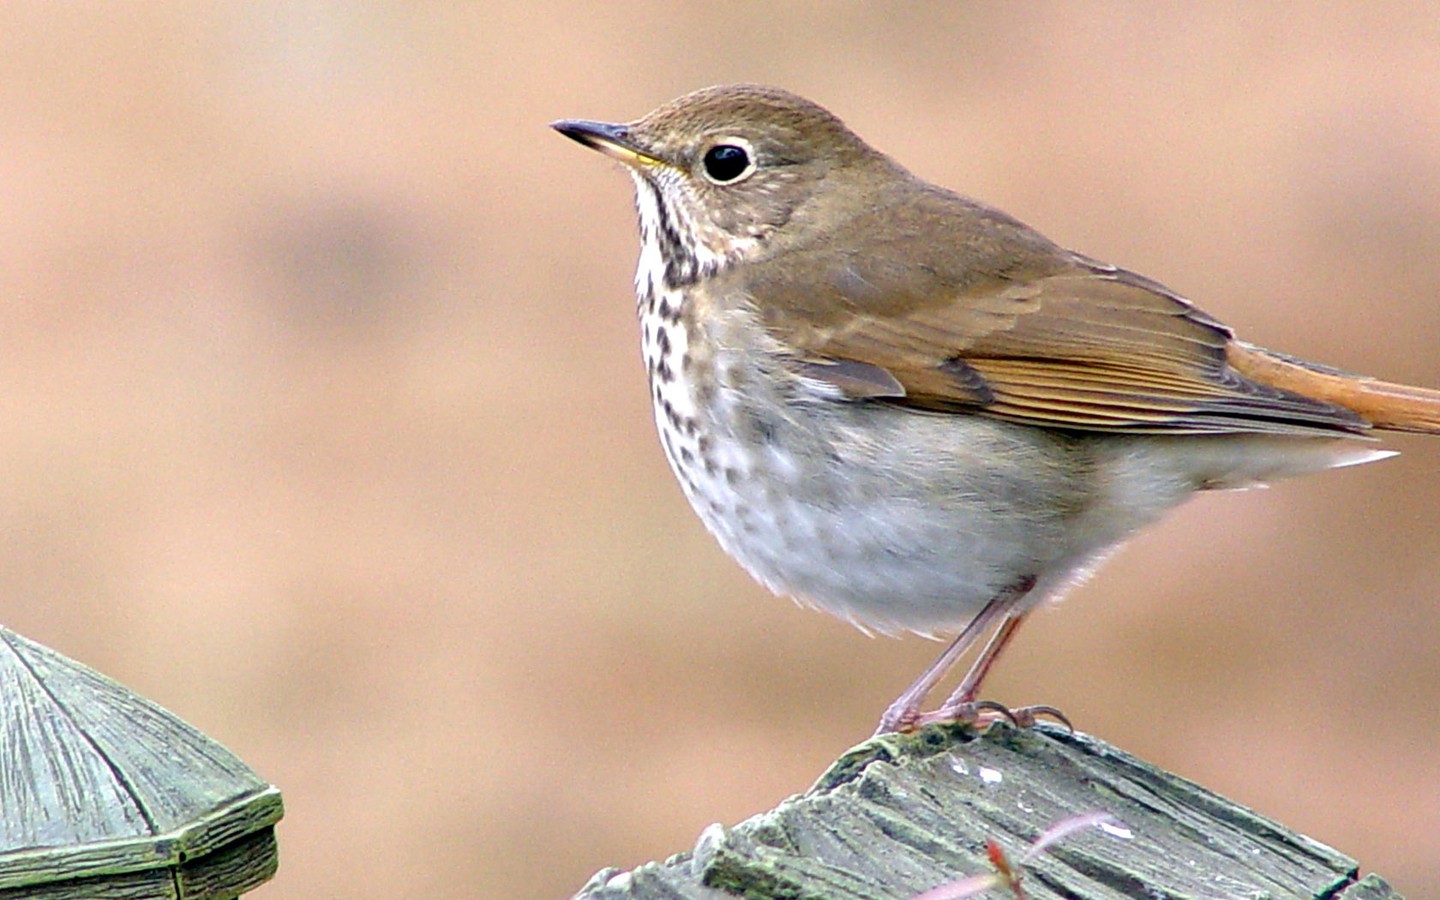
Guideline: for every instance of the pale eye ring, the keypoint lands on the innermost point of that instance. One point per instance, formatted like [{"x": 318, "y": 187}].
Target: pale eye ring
[{"x": 728, "y": 160}]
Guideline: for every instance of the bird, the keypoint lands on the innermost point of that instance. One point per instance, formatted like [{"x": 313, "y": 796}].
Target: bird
[{"x": 907, "y": 408}]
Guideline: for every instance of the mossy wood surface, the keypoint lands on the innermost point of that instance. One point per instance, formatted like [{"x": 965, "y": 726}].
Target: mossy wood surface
[
  {"x": 900, "y": 815},
  {"x": 103, "y": 794}
]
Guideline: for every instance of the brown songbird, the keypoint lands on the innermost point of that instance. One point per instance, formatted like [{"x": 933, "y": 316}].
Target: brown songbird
[{"x": 907, "y": 408}]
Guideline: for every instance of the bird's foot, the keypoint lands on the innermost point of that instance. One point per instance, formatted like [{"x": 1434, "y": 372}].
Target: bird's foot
[
  {"x": 900, "y": 718},
  {"x": 981, "y": 714}
]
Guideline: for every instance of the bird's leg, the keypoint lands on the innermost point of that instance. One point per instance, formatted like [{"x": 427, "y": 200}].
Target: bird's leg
[
  {"x": 904, "y": 714},
  {"x": 962, "y": 705}
]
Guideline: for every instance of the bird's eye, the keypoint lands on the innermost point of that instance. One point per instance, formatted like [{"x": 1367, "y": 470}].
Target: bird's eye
[{"x": 725, "y": 163}]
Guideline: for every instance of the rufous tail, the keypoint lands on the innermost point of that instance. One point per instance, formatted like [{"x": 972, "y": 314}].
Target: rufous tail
[{"x": 1392, "y": 407}]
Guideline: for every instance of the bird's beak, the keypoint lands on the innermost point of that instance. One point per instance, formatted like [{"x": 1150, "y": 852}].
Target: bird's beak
[{"x": 611, "y": 140}]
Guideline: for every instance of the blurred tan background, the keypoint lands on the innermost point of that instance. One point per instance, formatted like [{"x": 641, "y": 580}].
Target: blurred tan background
[{"x": 322, "y": 421}]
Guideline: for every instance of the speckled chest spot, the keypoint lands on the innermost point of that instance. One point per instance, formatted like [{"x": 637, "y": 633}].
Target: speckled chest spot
[
  {"x": 720, "y": 442},
  {"x": 665, "y": 347}
]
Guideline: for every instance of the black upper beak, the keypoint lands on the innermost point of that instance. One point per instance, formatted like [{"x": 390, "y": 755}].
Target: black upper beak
[
  {"x": 612, "y": 140},
  {"x": 591, "y": 133}
]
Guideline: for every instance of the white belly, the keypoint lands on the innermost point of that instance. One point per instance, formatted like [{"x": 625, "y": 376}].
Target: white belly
[
  {"x": 844, "y": 507},
  {"x": 897, "y": 520}
]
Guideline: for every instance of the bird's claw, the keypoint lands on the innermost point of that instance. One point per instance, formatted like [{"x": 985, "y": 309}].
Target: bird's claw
[
  {"x": 1027, "y": 716},
  {"x": 981, "y": 714}
]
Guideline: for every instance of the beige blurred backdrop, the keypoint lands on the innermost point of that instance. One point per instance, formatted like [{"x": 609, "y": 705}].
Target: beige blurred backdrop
[{"x": 324, "y": 424}]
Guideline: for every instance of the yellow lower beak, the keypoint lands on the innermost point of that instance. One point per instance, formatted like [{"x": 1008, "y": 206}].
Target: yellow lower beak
[{"x": 612, "y": 140}]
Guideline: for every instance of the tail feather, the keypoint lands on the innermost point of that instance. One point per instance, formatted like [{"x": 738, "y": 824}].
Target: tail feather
[{"x": 1385, "y": 405}]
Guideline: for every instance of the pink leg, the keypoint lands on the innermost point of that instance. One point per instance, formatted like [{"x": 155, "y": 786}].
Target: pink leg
[
  {"x": 904, "y": 713},
  {"x": 970, "y": 684},
  {"x": 962, "y": 705}
]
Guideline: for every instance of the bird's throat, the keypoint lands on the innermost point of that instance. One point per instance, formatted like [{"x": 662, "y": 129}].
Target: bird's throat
[{"x": 671, "y": 256}]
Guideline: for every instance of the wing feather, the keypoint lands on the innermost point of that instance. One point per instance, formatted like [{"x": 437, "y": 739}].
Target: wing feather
[{"x": 985, "y": 316}]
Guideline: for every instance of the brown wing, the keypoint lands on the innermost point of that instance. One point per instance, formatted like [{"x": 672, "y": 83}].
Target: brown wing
[{"x": 988, "y": 316}]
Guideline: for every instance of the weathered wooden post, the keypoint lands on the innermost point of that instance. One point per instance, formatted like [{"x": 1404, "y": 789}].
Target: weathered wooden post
[
  {"x": 103, "y": 794},
  {"x": 901, "y": 815}
]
